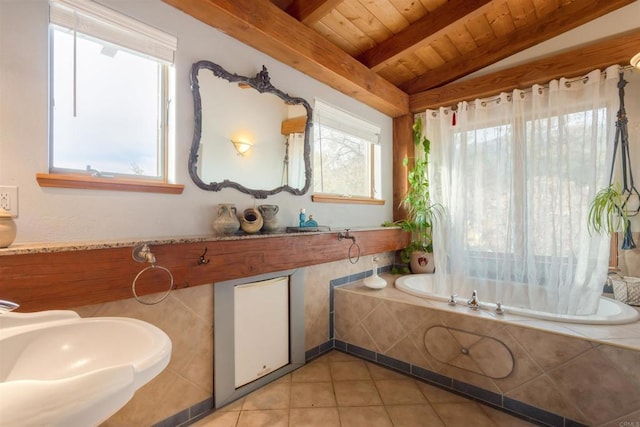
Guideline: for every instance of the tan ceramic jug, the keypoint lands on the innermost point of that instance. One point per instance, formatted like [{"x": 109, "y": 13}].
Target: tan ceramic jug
[{"x": 251, "y": 221}]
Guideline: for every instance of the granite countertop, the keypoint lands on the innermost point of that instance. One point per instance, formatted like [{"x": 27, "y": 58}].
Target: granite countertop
[{"x": 48, "y": 247}]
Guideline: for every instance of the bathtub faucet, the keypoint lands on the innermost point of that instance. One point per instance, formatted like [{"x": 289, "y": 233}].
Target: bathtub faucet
[{"x": 474, "y": 303}]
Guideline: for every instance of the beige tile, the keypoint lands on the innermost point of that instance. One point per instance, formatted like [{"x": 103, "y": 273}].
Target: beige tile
[
  {"x": 492, "y": 357},
  {"x": 412, "y": 316},
  {"x": 356, "y": 334},
  {"x": 310, "y": 395},
  {"x": 441, "y": 344},
  {"x": 628, "y": 361},
  {"x": 371, "y": 416},
  {"x": 271, "y": 396},
  {"x": 543, "y": 393},
  {"x": 414, "y": 416},
  {"x": 264, "y": 418},
  {"x": 314, "y": 417},
  {"x": 236, "y": 405},
  {"x": 356, "y": 393},
  {"x": 406, "y": 350},
  {"x": 316, "y": 371},
  {"x": 629, "y": 420},
  {"x": 525, "y": 369},
  {"x": 348, "y": 371},
  {"x": 379, "y": 373},
  {"x": 502, "y": 419},
  {"x": 383, "y": 327},
  {"x": 400, "y": 392},
  {"x": 219, "y": 419},
  {"x": 600, "y": 390},
  {"x": 462, "y": 414},
  {"x": 438, "y": 395},
  {"x": 548, "y": 350}
]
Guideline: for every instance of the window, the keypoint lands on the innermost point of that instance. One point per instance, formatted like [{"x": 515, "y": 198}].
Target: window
[
  {"x": 346, "y": 156},
  {"x": 109, "y": 93}
]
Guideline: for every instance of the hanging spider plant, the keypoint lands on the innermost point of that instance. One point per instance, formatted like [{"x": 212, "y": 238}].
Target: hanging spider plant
[
  {"x": 610, "y": 209},
  {"x": 607, "y": 214}
]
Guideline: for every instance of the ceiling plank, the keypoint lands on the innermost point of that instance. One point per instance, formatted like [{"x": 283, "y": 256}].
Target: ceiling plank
[
  {"x": 264, "y": 26},
  {"x": 564, "y": 19},
  {"x": 598, "y": 55},
  {"x": 422, "y": 32},
  {"x": 311, "y": 11}
]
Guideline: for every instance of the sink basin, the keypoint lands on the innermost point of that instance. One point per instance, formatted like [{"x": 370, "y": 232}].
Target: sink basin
[{"x": 58, "y": 369}]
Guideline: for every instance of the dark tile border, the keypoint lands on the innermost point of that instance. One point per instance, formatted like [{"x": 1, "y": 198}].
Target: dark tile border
[{"x": 189, "y": 415}]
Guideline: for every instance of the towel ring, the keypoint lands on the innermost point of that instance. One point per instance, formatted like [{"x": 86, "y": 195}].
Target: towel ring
[
  {"x": 163, "y": 296},
  {"x": 356, "y": 258}
]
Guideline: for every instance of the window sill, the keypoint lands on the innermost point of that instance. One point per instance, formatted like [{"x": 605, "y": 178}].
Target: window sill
[
  {"x": 333, "y": 198},
  {"x": 113, "y": 184}
]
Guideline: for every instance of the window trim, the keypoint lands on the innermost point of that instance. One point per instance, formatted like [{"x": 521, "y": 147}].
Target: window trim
[
  {"x": 157, "y": 45},
  {"x": 114, "y": 184}
]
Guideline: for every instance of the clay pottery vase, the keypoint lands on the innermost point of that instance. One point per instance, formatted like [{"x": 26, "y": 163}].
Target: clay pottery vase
[
  {"x": 227, "y": 221},
  {"x": 8, "y": 229},
  {"x": 251, "y": 221},
  {"x": 269, "y": 220},
  {"x": 421, "y": 262}
]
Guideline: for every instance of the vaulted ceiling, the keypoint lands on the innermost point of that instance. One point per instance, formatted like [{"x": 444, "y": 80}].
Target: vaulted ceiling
[{"x": 400, "y": 56}]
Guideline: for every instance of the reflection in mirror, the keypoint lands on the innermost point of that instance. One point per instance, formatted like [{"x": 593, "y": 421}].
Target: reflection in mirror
[{"x": 248, "y": 135}]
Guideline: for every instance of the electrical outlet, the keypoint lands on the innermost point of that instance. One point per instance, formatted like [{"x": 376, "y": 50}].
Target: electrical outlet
[{"x": 9, "y": 199}]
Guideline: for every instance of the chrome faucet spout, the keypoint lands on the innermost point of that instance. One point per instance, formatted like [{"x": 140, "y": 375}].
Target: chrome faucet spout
[
  {"x": 6, "y": 306},
  {"x": 474, "y": 302}
]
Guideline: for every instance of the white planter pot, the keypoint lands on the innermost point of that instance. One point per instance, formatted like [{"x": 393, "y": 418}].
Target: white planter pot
[{"x": 421, "y": 262}]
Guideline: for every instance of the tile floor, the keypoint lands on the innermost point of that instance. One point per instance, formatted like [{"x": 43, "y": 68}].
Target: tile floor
[{"x": 338, "y": 389}]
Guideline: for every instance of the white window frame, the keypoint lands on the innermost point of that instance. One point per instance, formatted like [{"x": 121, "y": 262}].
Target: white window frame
[
  {"x": 351, "y": 126},
  {"x": 96, "y": 21}
]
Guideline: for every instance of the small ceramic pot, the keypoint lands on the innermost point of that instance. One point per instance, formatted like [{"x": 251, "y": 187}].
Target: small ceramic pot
[
  {"x": 269, "y": 220},
  {"x": 227, "y": 221},
  {"x": 8, "y": 229},
  {"x": 251, "y": 221},
  {"x": 421, "y": 262}
]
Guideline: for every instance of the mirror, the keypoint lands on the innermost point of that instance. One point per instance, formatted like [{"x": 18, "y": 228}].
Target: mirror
[{"x": 248, "y": 135}]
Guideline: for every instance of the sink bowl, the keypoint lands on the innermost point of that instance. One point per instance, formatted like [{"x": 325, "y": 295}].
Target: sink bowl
[{"x": 58, "y": 369}]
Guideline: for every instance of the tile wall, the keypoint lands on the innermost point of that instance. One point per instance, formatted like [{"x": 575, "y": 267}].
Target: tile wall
[
  {"x": 185, "y": 388},
  {"x": 554, "y": 377}
]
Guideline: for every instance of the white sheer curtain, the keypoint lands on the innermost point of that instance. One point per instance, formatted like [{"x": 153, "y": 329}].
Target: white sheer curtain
[{"x": 516, "y": 175}]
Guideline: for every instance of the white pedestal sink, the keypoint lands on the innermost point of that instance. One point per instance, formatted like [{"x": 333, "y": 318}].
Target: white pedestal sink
[{"x": 57, "y": 369}]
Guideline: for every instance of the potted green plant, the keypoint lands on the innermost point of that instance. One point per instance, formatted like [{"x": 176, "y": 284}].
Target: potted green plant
[
  {"x": 421, "y": 212},
  {"x": 607, "y": 214}
]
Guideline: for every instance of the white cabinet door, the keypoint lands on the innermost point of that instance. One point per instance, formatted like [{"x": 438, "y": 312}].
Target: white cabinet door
[{"x": 261, "y": 321}]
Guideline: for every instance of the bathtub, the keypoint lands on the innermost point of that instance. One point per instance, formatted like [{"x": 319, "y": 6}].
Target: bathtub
[{"x": 610, "y": 311}]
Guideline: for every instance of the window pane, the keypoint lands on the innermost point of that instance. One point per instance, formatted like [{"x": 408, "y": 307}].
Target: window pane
[
  {"x": 117, "y": 128},
  {"x": 342, "y": 163}
]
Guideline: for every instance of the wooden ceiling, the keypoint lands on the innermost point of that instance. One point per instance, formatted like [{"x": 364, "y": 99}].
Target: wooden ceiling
[{"x": 390, "y": 53}]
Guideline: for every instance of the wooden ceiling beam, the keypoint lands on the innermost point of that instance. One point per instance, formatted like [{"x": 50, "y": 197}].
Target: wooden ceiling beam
[
  {"x": 564, "y": 19},
  {"x": 598, "y": 55},
  {"x": 267, "y": 28},
  {"x": 311, "y": 11},
  {"x": 422, "y": 32}
]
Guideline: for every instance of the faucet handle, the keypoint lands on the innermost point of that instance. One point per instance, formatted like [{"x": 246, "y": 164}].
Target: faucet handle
[
  {"x": 452, "y": 300},
  {"x": 499, "y": 309}
]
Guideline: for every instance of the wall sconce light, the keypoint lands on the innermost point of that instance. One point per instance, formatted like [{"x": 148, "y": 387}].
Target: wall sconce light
[
  {"x": 635, "y": 61},
  {"x": 241, "y": 147}
]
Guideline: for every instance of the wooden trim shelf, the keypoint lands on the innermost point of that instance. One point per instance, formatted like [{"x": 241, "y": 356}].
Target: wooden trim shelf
[
  {"x": 74, "y": 278},
  {"x": 114, "y": 184},
  {"x": 334, "y": 198}
]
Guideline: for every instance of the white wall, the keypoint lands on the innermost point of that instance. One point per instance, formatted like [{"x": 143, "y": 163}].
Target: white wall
[
  {"x": 52, "y": 215},
  {"x": 62, "y": 215}
]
